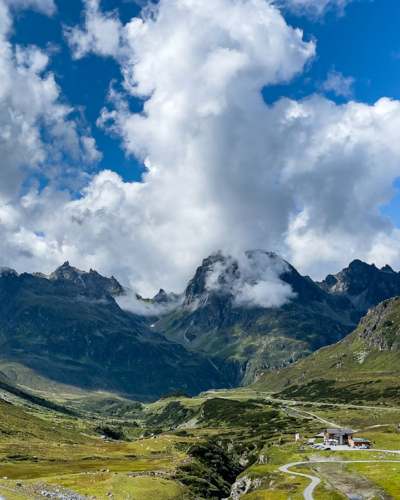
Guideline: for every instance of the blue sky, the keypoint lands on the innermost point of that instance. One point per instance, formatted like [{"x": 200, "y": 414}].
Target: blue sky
[{"x": 362, "y": 44}]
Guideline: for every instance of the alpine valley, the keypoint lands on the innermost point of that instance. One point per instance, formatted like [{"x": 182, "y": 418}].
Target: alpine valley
[{"x": 195, "y": 394}]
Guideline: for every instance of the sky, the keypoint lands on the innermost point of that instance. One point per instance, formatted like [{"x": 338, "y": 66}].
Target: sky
[{"x": 139, "y": 137}]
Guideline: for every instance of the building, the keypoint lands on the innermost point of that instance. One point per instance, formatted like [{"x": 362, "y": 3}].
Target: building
[
  {"x": 359, "y": 443},
  {"x": 338, "y": 436}
]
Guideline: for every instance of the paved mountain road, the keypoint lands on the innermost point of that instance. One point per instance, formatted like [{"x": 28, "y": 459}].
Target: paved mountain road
[
  {"x": 308, "y": 493},
  {"x": 315, "y": 481}
]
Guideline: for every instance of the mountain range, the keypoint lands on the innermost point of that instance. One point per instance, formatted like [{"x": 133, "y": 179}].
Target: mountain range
[
  {"x": 68, "y": 328},
  {"x": 237, "y": 319}
]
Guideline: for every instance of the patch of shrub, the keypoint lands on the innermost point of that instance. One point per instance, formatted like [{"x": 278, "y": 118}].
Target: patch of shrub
[{"x": 115, "y": 433}]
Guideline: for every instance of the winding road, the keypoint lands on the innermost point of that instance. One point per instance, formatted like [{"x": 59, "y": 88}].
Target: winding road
[{"x": 315, "y": 481}]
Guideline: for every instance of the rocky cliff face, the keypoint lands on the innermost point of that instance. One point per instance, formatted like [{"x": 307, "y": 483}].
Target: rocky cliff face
[{"x": 380, "y": 328}]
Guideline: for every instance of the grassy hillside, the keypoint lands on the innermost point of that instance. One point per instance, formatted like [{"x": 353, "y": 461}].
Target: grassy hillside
[{"x": 362, "y": 367}]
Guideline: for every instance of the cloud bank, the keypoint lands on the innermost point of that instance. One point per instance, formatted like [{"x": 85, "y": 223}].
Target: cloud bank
[
  {"x": 224, "y": 170},
  {"x": 142, "y": 307}
]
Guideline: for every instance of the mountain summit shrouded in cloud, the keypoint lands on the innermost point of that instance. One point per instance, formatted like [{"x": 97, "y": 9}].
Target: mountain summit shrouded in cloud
[{"x": 223, "y": 169}]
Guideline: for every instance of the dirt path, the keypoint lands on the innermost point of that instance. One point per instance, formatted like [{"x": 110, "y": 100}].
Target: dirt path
[
  {"x": 305, "y": 413},
  {"x": 337, "y": 405},
  {"x": 315, "y": 481}
]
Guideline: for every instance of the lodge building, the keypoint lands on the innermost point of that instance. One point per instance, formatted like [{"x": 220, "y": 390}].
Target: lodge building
[{"x": 345, "y": 437}]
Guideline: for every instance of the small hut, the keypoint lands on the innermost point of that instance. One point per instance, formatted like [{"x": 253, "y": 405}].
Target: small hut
[{"x": 360, "y": 443}]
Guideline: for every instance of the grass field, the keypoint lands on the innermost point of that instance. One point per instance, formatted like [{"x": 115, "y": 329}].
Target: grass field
[{"x": 186, "y": 448}]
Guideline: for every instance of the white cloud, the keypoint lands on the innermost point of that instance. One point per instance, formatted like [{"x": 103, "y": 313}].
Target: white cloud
[
  {"x": 46, "y": 6},
  {"x": 225, "y": 171},
  {"x": 101, "y": 33},
  {"x": 315, "y": 8},
  {"x": 131, "y": 302},
  {"x": 90, "y": 153},
  {"x": 339, "y": 84}
]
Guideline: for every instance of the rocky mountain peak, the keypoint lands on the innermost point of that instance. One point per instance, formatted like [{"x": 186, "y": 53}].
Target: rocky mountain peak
[
  {"x": 161, "y": 296},
  {"x": 388, "y": 269},
  {"x": 7, "y": 271},
  {"x": 90, "y": 281},
  {"x": 165, "y": 298},
  {"x": 66, "y": 272},
  {"x": 364, "y": 284},
  {"x": 197, "y": 288},
  {"x": 358, "y": 265}
]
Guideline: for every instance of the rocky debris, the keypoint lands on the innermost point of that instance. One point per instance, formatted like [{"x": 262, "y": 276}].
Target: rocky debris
[
  {"x": 262, "y": 459},
  {"x": 60, "y": 495},
  {"x": 44, "y": 491},
  {"x": 243, "y": 486},
  {"x": 153, "y": 473}
]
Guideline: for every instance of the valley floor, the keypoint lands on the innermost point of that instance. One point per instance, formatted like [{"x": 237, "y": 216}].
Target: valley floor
[{"x": 192, "y": 448}]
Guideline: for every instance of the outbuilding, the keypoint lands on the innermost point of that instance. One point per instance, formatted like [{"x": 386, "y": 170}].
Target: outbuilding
[{"x": 360, "y": 443}]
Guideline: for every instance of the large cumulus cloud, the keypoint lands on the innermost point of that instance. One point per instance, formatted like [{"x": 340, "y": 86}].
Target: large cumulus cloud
[{"x": 225, "y": 170}]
